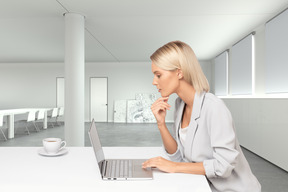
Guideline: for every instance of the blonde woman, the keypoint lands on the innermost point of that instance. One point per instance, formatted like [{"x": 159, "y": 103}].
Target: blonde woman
[{"x": 203, "y": 139}]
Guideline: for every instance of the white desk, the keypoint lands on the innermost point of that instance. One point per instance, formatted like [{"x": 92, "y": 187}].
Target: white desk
[
  {"x": 10, "y": 113},
  {"x": 22, "y": 169}
]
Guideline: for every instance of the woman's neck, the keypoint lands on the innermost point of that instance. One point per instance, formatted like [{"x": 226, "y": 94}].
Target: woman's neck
[{"x": 186, "y": 92}]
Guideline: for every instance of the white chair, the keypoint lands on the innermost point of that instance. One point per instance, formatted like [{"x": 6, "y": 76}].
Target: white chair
[
  {"x": 1, "y": 126},
  {"x": 20, "y": 119},
  {"x": 30, "y": 118},
  {"x": 60, "y": 114},
  {"x": 53, "y": 116},
  {"x": 40, "y": 117}
]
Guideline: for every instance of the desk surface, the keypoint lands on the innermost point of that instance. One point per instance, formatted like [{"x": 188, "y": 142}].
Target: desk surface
[
  {"x": 22, "y": 168},
  {"x": 21, "y": 110}
]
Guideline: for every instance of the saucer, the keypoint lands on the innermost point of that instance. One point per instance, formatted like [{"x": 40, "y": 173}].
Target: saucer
[{"x": 42, "y": 151}]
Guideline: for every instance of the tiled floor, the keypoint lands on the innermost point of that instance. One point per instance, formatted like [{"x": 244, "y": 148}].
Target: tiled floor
[{"x": 272, "y": 178}]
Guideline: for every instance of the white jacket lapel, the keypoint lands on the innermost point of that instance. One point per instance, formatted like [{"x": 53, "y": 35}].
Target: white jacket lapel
[
  {"x": 193, "y": 125},
  {"x": 177, "y": 125}
]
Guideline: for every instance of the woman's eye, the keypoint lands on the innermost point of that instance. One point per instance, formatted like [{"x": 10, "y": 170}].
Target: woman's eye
[{"x": 158, "y": 76}]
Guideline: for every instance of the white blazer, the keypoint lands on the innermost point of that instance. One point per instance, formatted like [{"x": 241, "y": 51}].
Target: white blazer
[{"x": 211, "y": 139}]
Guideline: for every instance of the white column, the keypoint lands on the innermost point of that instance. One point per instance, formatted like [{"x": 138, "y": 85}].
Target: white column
[{"x": 74, "y": 79}]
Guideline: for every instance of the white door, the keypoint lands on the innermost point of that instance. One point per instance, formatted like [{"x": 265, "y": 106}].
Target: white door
[{"x": 99, "y": 99}]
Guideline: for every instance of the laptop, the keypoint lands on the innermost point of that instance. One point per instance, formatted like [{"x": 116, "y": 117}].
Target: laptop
[{"x": 117, "y": 169}]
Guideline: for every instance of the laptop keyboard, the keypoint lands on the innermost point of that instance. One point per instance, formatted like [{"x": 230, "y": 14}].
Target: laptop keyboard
[{"x": 119, "y": 168}]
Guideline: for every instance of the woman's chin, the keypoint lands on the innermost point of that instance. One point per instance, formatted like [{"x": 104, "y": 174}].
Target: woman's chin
[{"x": 164, "y": 95}]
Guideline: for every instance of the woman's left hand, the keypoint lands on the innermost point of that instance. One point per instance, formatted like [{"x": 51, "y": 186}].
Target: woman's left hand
[{"x": 160, "y": 163}]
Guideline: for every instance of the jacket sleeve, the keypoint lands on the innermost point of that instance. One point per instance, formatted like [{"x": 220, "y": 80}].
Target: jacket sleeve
[{"x": 223, "y": 142}]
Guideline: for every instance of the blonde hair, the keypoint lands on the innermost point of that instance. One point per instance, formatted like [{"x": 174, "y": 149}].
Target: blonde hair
[{"x": 178, "y": 55}]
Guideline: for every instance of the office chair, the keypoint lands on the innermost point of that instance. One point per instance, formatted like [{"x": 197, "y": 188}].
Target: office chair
[
  {"x": 53, "y": 115},
  {"x": 1, "y": 126},
  {"x": 30, "y": 118},
  {"x": 39, "y": 117}
]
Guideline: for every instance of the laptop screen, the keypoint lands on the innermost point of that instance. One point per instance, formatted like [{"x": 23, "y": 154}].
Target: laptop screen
[{"x": 95, "y": 141}]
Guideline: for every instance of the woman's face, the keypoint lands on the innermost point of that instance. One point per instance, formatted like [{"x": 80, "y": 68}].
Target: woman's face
[{"x": 167, "y": 82}]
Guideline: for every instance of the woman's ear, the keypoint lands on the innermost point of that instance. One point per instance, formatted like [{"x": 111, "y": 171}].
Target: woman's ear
[{"x": 180, "y": 74}]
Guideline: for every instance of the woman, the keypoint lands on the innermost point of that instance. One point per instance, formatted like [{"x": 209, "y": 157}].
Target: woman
[{"x": 204, "y": 140}]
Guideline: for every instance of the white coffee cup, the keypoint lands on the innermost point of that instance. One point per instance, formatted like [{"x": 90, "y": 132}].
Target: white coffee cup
[{"x": 53, "y": 145}]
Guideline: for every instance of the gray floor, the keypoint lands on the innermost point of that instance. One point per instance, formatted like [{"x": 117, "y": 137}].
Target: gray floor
[{"x": 272, "y": 178}]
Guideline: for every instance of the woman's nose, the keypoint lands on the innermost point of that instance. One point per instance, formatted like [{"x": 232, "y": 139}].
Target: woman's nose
[{"x": 154, "y": 81}]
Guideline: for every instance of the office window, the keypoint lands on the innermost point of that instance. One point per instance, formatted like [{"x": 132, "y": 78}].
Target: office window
[
  {"x": 242, "y": 67},
  {"x": 276, "y": 34},
  {"x": 221, "y": 74}
]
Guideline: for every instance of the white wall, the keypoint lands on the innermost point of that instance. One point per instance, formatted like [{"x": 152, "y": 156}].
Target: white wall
[
  {"x": 260, "y": 61},
  {"x": 29, "y": 84},
  {"x": 261, "y": 122},
  {"x": 34, "y": 84},
  {"x": 262, "y": 127}
]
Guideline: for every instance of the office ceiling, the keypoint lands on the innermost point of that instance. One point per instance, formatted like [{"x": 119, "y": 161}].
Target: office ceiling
[{"x": 128, "y": 30}]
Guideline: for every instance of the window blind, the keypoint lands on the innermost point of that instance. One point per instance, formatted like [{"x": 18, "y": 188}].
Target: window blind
[
  {"x": 276, "y": 67},
  {"x": 242, "y": 67}
]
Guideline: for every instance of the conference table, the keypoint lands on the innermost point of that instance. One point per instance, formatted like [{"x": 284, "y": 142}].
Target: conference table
[
  {"x": 23, "y": 169},
  {"x": 10, "y": 113}
]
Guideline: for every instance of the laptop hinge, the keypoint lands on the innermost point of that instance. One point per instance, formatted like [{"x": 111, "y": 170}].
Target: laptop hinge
[{"x": 103, "y": 167}]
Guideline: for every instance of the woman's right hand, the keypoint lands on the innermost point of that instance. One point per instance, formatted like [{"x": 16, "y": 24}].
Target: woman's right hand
[{"x": 159, "y": 108}]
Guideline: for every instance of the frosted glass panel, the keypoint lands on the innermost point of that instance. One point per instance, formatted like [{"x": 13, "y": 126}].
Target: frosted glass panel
[
  {"x": 241, "y": 67},
  {"x": 276, "y": 33},
  {"x": 221, "y": 78},
  {"x": 120, "y": 111},
  {"x": 134, "y": 111},
  {"x": 138, "y": 111},
  {"x": 147, "y": 101}
]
